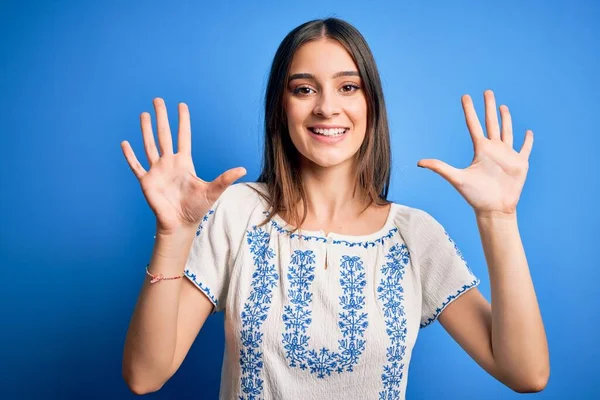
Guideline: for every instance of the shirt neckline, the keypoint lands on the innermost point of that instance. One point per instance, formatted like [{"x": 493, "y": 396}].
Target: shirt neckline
[{"x": 320, "y": 234}]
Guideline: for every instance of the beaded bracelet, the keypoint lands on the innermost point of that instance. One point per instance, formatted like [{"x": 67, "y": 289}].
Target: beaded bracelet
[{"x": 160, "y": 277}]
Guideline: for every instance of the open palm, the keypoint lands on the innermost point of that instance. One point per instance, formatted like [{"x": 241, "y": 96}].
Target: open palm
[
  {"x": 494, "y": 181},
  {"x": 175, "y": 194}
]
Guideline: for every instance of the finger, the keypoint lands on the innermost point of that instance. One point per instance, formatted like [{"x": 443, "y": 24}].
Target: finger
[
  {"x": 527, "y": 144},
  {"x": 473, "y": 123},
  {"x": 148, "y": 135},
  {"x": 132, "y": 160},
  {"x": 446, "y": 171},
  {"x": 165, "y": 142},
  {"x": 184, "y": 138},
  {"x": 491, "y": 116},
  {"x": 507, "y": 133},
  {"x": 225, "y": 180}
]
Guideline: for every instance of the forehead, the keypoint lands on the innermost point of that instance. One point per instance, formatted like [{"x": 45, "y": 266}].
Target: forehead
[{"x": 322, "y": 57}]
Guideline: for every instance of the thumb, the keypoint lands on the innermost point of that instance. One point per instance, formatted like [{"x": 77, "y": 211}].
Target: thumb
[
  {"x": 225, "y": 180},
  {"x": 446, "y": 171}
]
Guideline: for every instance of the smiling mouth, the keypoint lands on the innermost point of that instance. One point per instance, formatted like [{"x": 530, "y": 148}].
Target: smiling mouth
[{"x": 329, "y": 132}]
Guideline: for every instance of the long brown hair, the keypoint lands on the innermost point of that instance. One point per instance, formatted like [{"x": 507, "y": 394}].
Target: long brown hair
[{"x": 281, "y": 161}]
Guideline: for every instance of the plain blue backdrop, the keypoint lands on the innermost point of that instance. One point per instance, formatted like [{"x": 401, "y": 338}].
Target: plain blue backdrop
[{"x": 76, "y": 232}]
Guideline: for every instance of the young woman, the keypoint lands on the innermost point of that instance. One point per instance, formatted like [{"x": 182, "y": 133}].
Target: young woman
[{"x": 323, "y": 281}]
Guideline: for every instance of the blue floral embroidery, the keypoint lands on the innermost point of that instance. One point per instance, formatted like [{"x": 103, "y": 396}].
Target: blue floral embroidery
[
  {"x": 204, "y": 219},
  {"x": 323, "y": 239},
  {"x": 448, "y": 300},
  {"x": 203, "y": 288},
  {"x": 371, "y": 243},
  {"x": 391, "y": 293},
  {"x": 458, "y": 252},
  {"x": 193, "y": 276},
  {"x": 460, "y": 291},
  {"x": 297, "y": 316},
  {"x": 255, "y": 312}
]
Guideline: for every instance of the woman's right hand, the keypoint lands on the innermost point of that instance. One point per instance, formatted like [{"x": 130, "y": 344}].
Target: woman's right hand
[{"x": 175, "y": 194}]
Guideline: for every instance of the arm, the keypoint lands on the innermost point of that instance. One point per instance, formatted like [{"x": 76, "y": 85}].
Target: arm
[
  {"x": 169, "y": 314},
  {"x": 167, "y": 318},
  {"x": 506, "y": 338}
]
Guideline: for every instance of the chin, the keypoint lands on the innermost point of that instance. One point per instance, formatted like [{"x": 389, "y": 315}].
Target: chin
[{"x": 329, "y": 161}]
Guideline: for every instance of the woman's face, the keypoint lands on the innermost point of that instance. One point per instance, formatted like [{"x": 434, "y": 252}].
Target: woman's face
[{"x": 325, "y": 105}]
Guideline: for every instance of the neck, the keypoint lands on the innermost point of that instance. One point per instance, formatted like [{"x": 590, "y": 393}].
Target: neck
[{"x": 330, "y": 193}]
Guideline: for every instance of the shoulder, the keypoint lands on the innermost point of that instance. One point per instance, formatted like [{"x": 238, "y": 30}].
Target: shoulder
[
  {"x": 242, "y": 193},
  {"x": 412, "y": 217},
  {"x": 240, "y": 203},
  {"x": 418, "y": 228}
]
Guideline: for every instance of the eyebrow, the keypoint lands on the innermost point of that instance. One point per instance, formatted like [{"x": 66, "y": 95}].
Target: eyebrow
[{"x": 311, "y": 76}]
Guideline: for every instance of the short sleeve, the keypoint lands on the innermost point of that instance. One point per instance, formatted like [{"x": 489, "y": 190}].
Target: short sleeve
[
  {"x": 445, "y": 275},
  {"x": 214, "y": 249}
]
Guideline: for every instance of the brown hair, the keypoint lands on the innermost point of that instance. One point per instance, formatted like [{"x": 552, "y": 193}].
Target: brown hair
[{"x": 281, "y": 161}]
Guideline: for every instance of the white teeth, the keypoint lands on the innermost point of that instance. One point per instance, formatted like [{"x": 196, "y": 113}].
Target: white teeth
[{"x": 329, "y": 132}]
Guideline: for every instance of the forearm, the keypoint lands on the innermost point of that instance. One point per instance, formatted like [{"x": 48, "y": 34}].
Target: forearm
[
  {"x": 518, "y": 339},
  {"x": 151, "y": 338}
]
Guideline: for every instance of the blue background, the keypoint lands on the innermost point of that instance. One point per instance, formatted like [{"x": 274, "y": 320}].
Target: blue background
[{"x": 76, "y": 231}]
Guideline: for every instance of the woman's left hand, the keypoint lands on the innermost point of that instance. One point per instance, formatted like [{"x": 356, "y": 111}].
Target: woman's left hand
[{"x": 492, "y": 184}]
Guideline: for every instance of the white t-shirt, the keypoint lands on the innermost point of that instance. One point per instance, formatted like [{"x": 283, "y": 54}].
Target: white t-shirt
[{"x": 297, "y": 330}]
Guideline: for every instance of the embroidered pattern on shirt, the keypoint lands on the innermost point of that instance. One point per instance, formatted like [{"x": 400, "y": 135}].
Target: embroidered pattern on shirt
[
  {"x": 458, "y": 252},
  {"x": 297, "y": 316},
  {"x": 448, "y": 300},
  {"x": 322, "y": 239},
  {"x": 254, "y": 313},
  {"x": 460, "y": 291},
  {"x": 391, "y": 293},
  {"x": 193, "y": 276},
  {"x": 205, "y": 289},
  {"x": 204, "y": 219}
]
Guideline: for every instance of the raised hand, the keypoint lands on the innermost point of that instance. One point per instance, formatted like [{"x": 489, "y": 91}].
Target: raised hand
[
  {"x": 492, "y": 184},
  {"x": 175, "y": 194}
]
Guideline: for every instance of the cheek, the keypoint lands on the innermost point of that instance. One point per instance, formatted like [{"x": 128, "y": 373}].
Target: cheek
[
  {"x": 357, "y": 111},
  {"x": 297, "y": 111},
  {"x": 295, "y": 119}
]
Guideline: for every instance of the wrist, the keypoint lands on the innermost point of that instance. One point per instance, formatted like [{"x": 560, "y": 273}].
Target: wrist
[
  {"x": 179, "y": 230},
  {"x": 161, "y": 277},
  {"x": 496, "y": 215},
  {"x": 175, "y": 245},
  {"x": 495, "y": 223}
]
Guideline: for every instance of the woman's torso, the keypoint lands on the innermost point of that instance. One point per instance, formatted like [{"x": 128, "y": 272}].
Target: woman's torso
[{"x": 297, "y": 330}]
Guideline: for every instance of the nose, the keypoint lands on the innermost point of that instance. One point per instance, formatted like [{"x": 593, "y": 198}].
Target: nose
[{"x": 327, "y": 105}]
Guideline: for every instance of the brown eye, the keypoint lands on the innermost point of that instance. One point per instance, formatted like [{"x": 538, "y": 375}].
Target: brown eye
[
  {"x": 350, "y": 88},
  {"x": 302, "y": 90}
]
